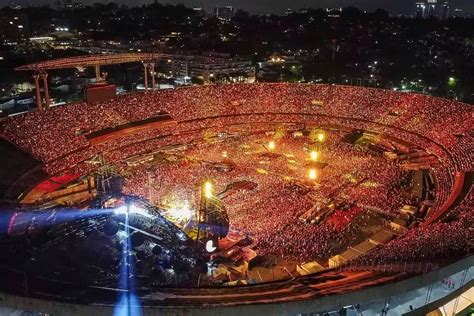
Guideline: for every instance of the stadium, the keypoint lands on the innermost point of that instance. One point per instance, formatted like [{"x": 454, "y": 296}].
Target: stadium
[{"x": 281, "y": 199}]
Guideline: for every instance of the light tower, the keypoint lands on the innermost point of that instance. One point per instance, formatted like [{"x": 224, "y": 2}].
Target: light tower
[
  {"x": 207, "y": 195},
  {"x": 211, "y": 218}
]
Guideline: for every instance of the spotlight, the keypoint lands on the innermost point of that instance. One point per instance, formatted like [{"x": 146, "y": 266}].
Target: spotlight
[
  {"x": 132, "y": 209},
  {"x": 313, "y": 155},
  {"x": 321, "y": 137},
  {"x": 120, "y": 210},
  {"x": 138, "y": 210},
  {"x": 271, "y": 145},
  {"x": 180, "y": 210},
  {"x": 312, "y": 174}
]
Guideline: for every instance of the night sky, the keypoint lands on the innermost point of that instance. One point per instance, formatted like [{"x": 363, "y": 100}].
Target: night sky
[{"x": 264, "y": 6}]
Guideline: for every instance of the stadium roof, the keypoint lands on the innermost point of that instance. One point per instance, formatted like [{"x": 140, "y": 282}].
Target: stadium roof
[{"x": 89, "y": 60}]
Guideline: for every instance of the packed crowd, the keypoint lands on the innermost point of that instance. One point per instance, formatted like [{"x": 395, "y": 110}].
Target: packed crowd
[
  {"x": 270, "y": 212},
  {"x": 51, "y": 134},
  {"x": 440, "y": 242},
  {"x": 442, "y": 127}
]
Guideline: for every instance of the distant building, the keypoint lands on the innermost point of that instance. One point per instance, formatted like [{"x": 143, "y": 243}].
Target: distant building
[
  {"x": 224, "y": 13},
  {"x": 210, "y": 67},
  {"x": 458, "y": 13},
  {"x": 432, "y": 8},
  {"x": 14, "y": 25},
  {"x": 199, "y": 11},
  {"x": 420, "y": 11},
  {"x": 68, "y": 4},
  {"x": 442, "y": 9},
  {"x": 334, "y": 12},
  {"x": 78, "y": 5}
]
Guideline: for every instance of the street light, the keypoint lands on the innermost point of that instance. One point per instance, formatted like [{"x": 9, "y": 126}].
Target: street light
[{"x": 452, "y": 81}]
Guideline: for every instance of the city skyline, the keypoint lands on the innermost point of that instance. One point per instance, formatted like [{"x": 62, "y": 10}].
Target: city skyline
[{"x": 272, "y": 6}]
